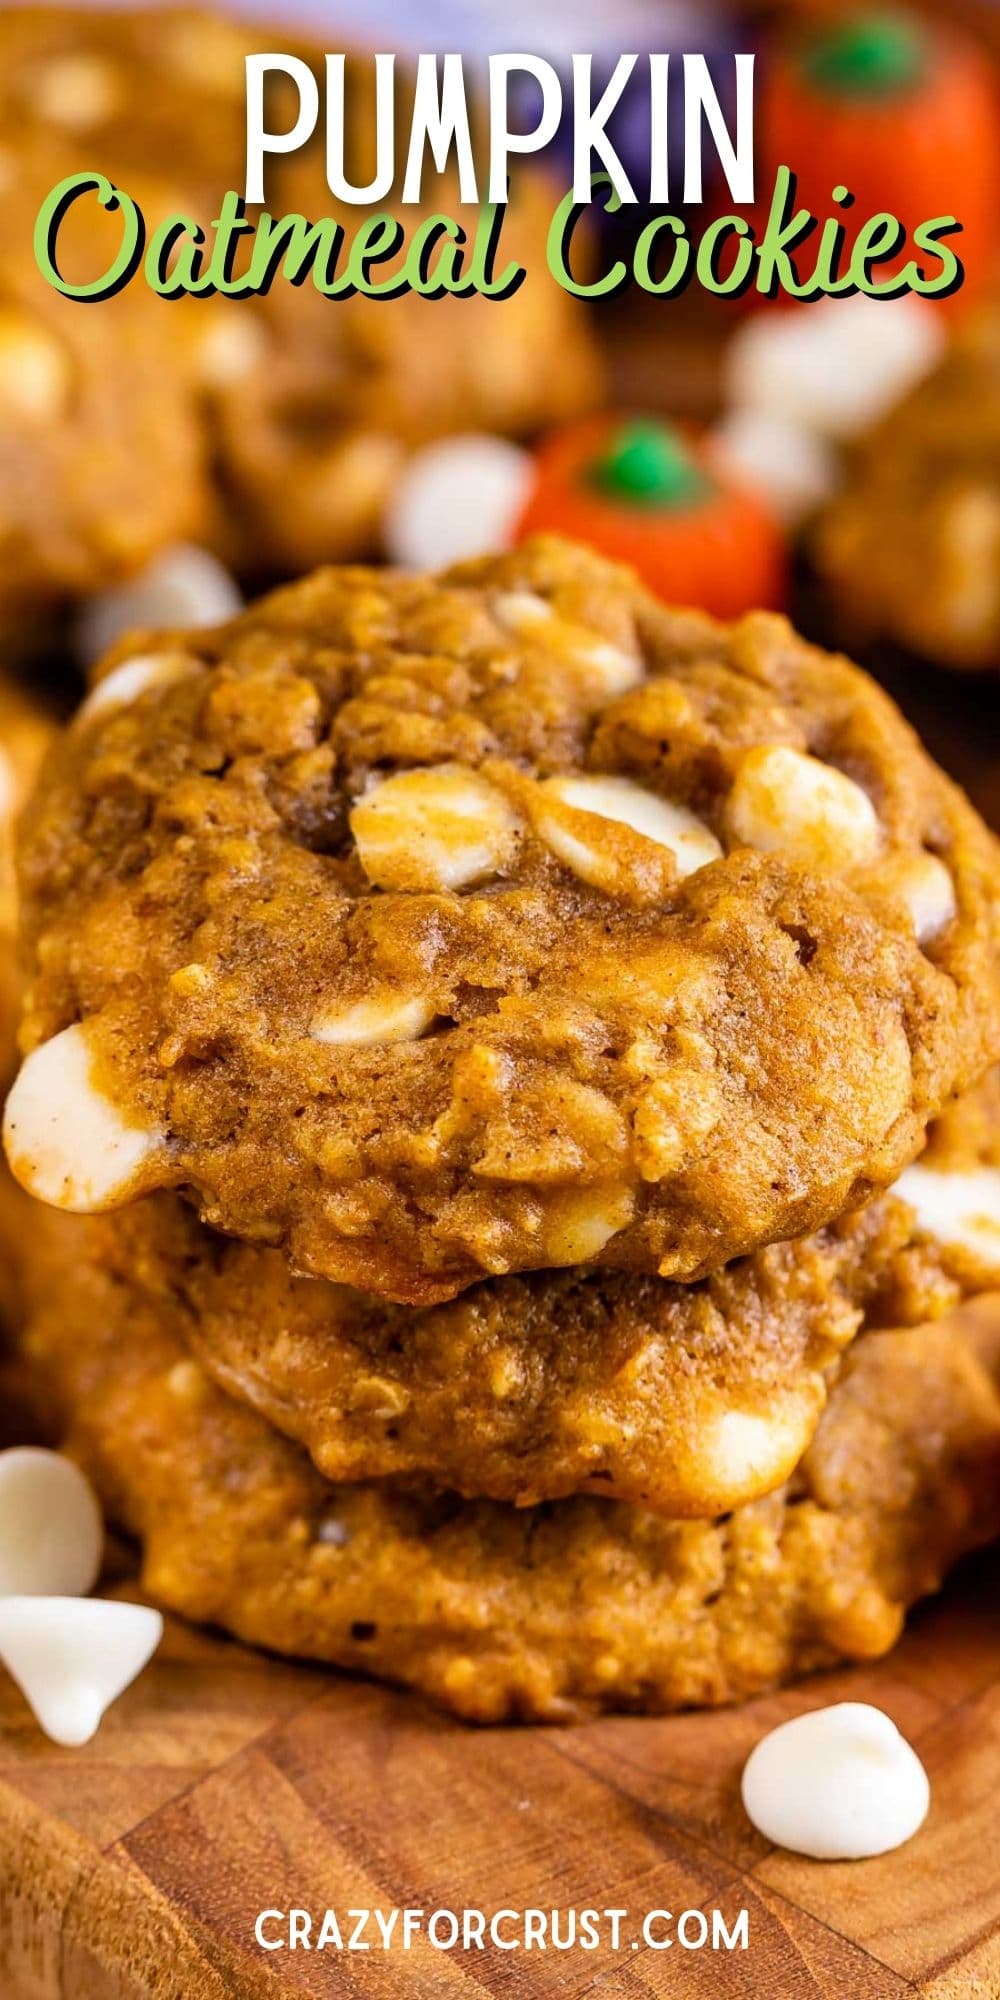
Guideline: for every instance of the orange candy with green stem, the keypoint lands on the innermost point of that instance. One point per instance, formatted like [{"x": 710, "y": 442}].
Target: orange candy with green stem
[
  {"x": 639, "y": 492},
  {"x": 901, "y": 111}
]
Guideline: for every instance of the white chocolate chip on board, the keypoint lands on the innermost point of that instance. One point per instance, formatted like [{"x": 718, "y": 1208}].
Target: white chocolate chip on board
[
  {"x": 960, "y": 1210},
  {"x": 72, "y": 1657},
  {"x": 433, "y": 829},
  {"x": 456, "y": 499},
  {"x": 51, "y": 1532},
  {"x": 532, "y": 618},
  {"x": 125, "y": 683},
  {"x": 625, "y": 803},
  {"x": 76, "y": 91},
  {"x": 838, "y": 1784},
  {"x": 65, "y": 1140},
  {"x": 785, "y": 802},
  {"x": 184, "y": 585},
  {"x": 35, "y": 370},
  {"x": 370, "y": 1023}
]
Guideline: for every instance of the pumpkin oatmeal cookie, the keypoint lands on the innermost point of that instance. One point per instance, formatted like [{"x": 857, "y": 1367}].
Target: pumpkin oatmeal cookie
[
  {"x": 690, "y": 1399},
  {"x": 443, "y": 928},
  {"x": 911, "y": 548},
  {"x": 542, "y": 1614}
]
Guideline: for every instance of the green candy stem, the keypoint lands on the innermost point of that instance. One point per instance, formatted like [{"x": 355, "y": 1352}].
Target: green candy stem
[
  {"x": 870, "y": 55},
  {"x": 647, "y": 465}
]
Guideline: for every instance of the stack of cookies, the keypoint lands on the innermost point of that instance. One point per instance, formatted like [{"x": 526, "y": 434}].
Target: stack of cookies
[{"x": 485, "y": 1027}]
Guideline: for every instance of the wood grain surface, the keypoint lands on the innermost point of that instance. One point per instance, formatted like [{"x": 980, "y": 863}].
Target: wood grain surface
[{"x": 225, "y": 1783}]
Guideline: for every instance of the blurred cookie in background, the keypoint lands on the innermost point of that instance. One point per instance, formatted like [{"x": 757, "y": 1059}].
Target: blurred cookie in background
[
  {"x": 101, "y": 455},
  {"x": 910, "y": 550},
  {"x": 313, "y": 406},
  {"x": 267, "y": 432}
]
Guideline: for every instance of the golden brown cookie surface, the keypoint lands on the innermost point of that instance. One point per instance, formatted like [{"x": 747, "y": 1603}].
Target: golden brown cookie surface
[
  {"x": 911, "y": 549},
  {"x": 545, "y": 1613},
  {"x": 442, "y": 928},
  {"x": 26, "y": 730}
]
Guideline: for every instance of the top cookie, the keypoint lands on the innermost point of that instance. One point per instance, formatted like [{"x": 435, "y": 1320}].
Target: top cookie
[{"x": 442, "y": 928}]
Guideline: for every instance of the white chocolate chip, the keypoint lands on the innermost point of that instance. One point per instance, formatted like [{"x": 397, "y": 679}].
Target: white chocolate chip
[
  {"x": 785, "y": 802},
  {"x": 232, "y": 346},
  {"x": 837, "y": 367},
  {"x": 793, "y": 467},
  {"x": 184, "y": 585},
  {"x": 124, "y": 684},
  {"x": 34, "y": 369},
  {"x": 579, "y": 1223},
  {"x": 66, "y": 1142},
  {"x": 76, "y": 91},
  {"x": 928, "y": 890},
  {"x": 838, "y": 1784},
  {"x": 740, "y": 1454},
  {"x": 439, "y": 828},
  {"x": 72, "y": 1657},
  {"x": 532, "y": 618},
  {"x": 390, "y": 1018},
  {"x": 51, "y": 1532},
  {"x": 332, "y": 1533},
  {"x": 689, "y": 840},
  {"x": 456, "y": 499},
  {"x": 958, "y": 1209}
]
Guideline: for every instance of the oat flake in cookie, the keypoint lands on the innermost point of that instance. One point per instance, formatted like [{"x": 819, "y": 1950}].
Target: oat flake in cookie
[{"x": 443, "y": 928}]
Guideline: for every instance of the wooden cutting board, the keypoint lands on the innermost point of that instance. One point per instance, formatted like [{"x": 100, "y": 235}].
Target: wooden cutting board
[{"x": 225, "y": 1783}]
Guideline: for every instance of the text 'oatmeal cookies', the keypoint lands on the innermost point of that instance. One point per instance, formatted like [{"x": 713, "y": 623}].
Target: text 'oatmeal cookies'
[{"x": 436, "y": 929}]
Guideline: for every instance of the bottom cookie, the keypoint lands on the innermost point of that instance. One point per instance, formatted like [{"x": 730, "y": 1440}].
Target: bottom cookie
[{"x": 544, "y": 1613}]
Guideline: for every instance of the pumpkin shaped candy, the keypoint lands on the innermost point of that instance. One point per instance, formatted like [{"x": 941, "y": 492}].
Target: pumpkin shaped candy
[
  {"x": 901, "y": 111},
  {"x": 645, "y": 493}
]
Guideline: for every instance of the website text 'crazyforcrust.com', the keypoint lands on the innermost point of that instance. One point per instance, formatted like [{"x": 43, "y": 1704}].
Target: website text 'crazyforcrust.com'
[{"x": 501, "y": 1930}]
